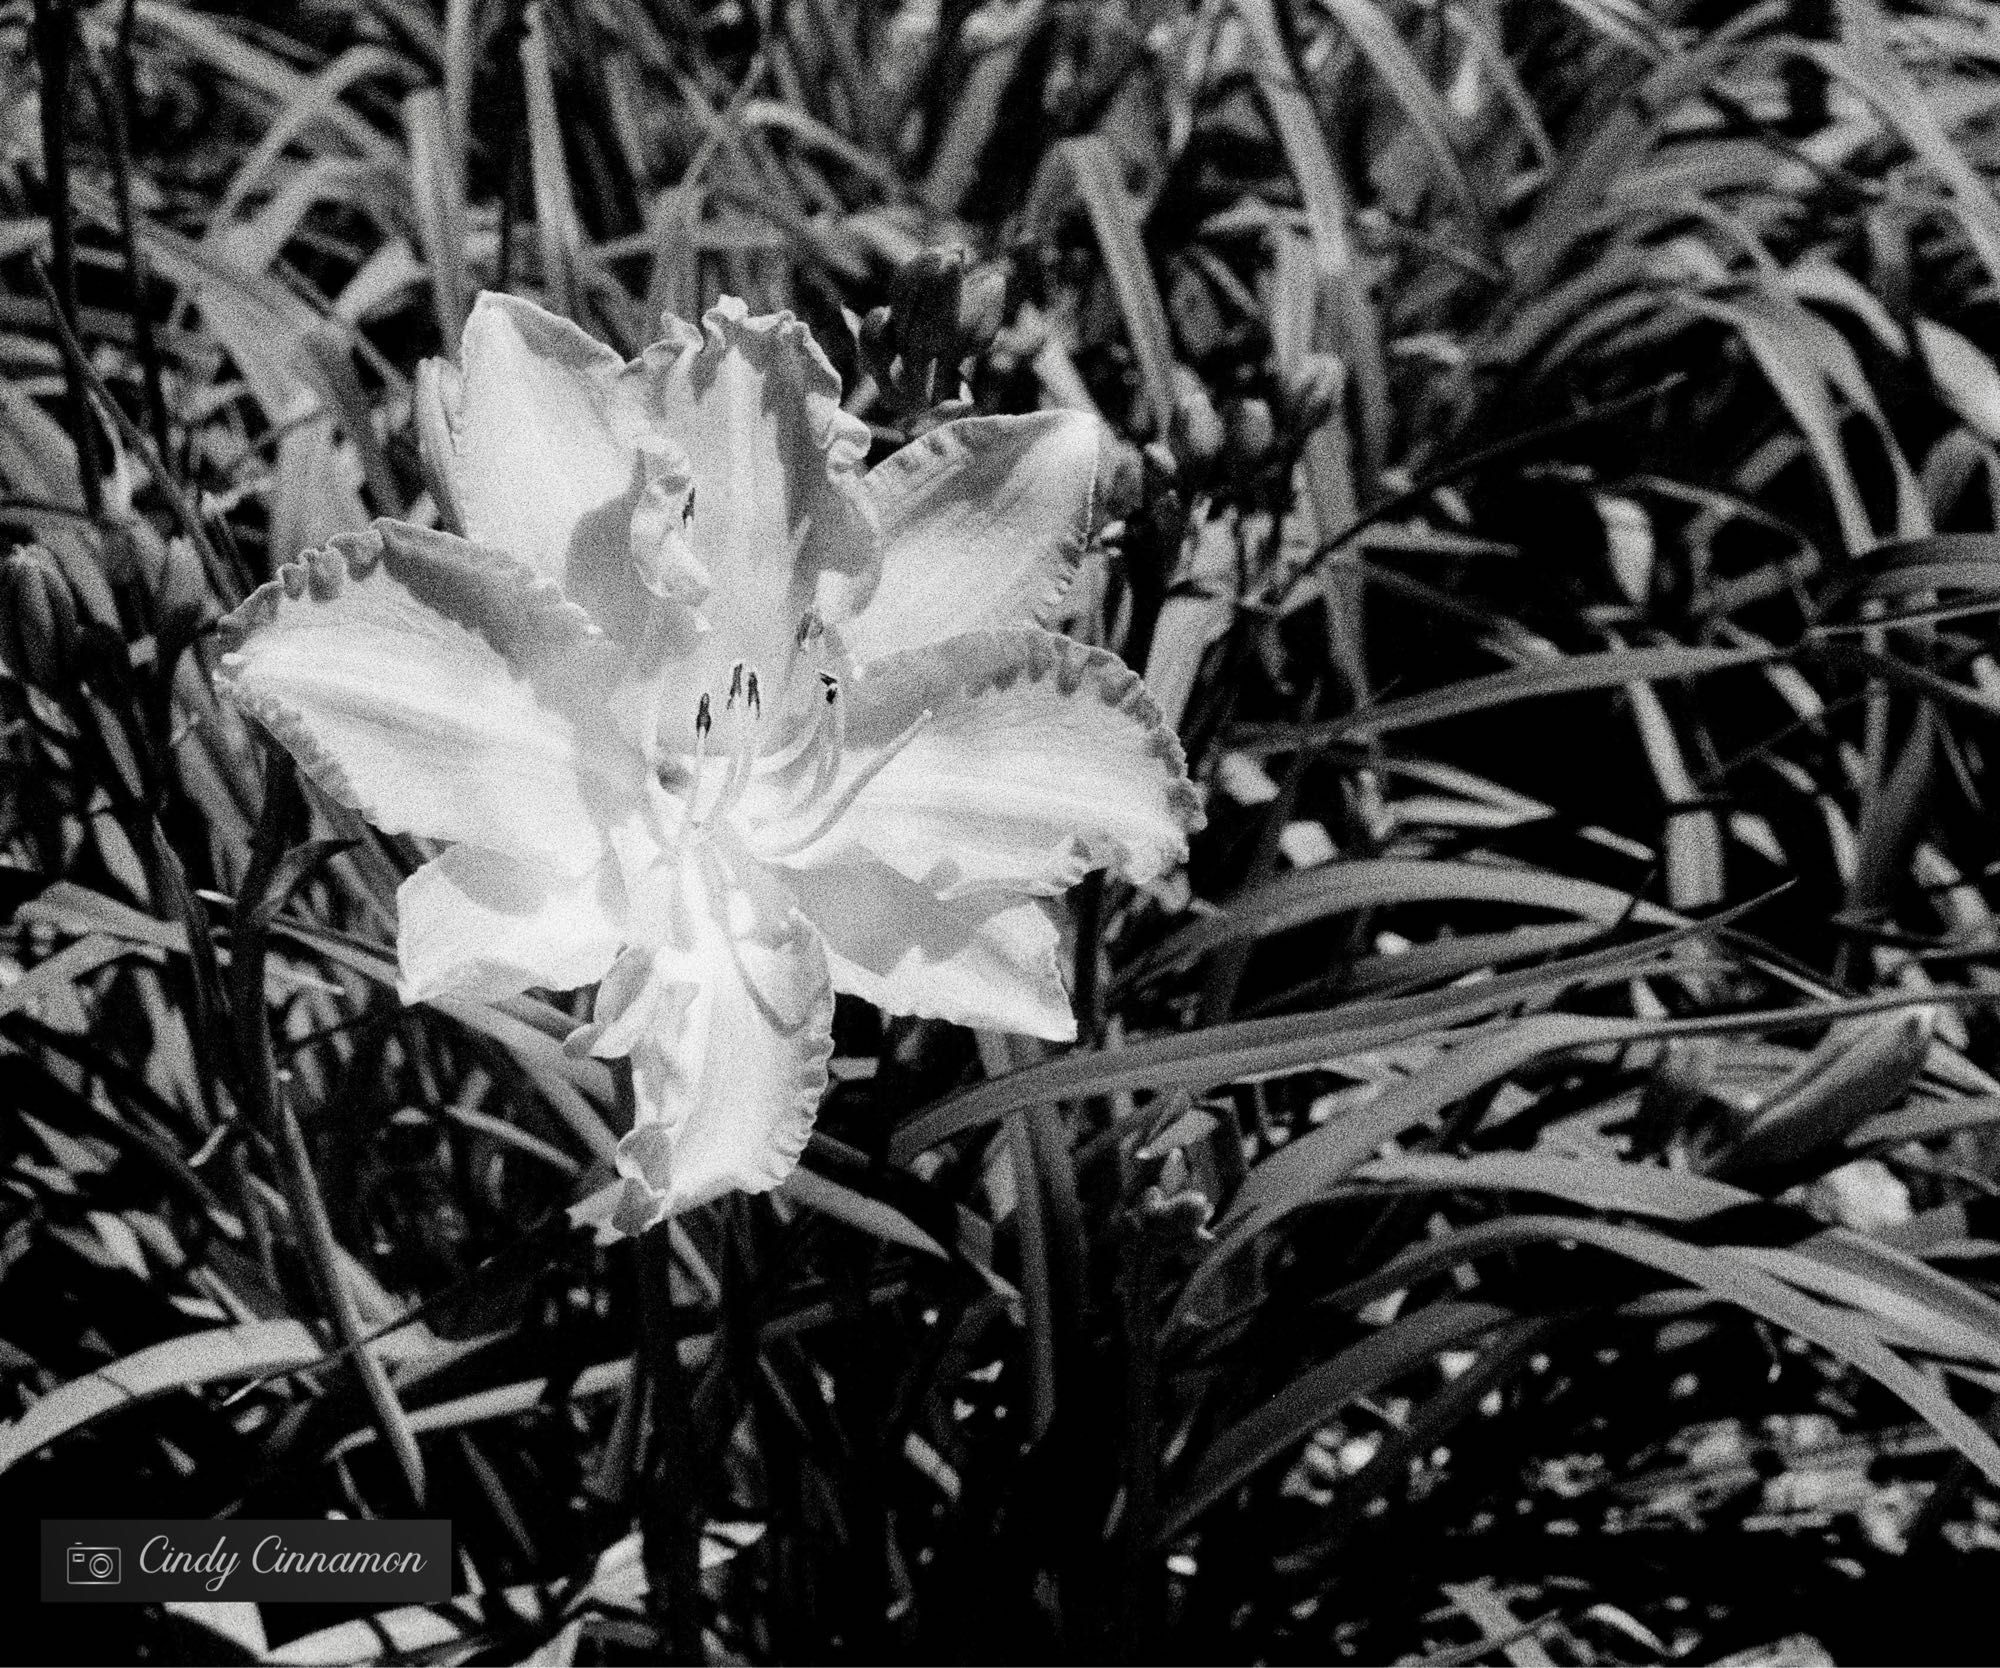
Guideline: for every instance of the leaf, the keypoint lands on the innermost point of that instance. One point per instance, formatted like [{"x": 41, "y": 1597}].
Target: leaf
[
  {"x": 1921, "y": 1122},
  {"x": 1948, "y": 1316},
  {"x": 857, "y": 1210},
  {"x": 1267, "y": 1047},
  {"x": 1567, "y": 675},
  {"x": 78, "y": 910},
  {"x": 1965, "y": 377},
  {"x": 1089, "y": 167},
  {"x": 437, "y": 193},
  {"x": 1861, "y": 1068},
  {"x": 1302, "y": 896},
  {"x": 556, "y": 224},
  {"x": 1796, "y": 371},
  {"x": 61, "y": 971},
  {"x": 975, "y": 113},
  {"x": 506, "y": 1400},
  {"x": 237, "y": 1620},
  {"x": 1317, "y": 1396},
  {"x": 577, "y": 1089},
  {"x": 1623, "y": 134},
  {"x": 1196, "y": 613},
  {"x": 1725, "y": 1273},
  {"x": 1640, "y": 1189},
  {"x": 255, "y": 71},
  {"x": 1306, "y": 1168},
  {"x": 1498, "y": 1626},
  {"x": 289, "y": 873},
  {"x": 1864, "y": 60},
  {"x": 255, "y": 1349},
  {"x": 402, "y": 1633},
  {"x": 1328, "y": 216},
  {"x": 1693, "y": 836},
  {"x": 1368, "y": 25}
]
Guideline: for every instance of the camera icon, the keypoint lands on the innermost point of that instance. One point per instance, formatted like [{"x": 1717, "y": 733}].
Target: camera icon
[{"x": 94, "y": 1566}]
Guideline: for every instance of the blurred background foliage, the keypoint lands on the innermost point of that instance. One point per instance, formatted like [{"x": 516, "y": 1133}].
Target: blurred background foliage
[{"x": 1524, "y": 1194}]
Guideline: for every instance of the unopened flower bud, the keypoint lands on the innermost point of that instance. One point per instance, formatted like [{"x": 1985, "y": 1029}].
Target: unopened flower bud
[
  {"x": 982, "y": 308},
  {"x": 875, "y": 334},
  {"x": 437, "y": 404},
  {"x": 1194, "y": 431},
  {"x": 186, "y": 604},
  {"x": 1252, "y": 431},
  {"x": 1312, "y": 391},
  {"x": 37, "y": 619},
  {"x": 924, "y": 298},
  {"x": 924, "y": 304},
  {"x": 1158, "y": 458},
  {"x": 1121, "y": 477}
]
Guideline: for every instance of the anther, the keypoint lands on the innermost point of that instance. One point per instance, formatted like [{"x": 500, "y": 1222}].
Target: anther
[
  {"x": 811, "y": 627},
  {"x": 687, "y": 509},
  {"x": 753, "y": 699},
  {"x": 702, "y": 720},
  {"x": 832, "y": 685},
  {"x": 735, "y": 685}
]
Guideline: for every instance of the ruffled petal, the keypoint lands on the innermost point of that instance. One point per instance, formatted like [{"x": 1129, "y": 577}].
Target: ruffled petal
[
  {"x": 728, "y": 1028},
  {"x": 536, "y": 443},
  {"x": 438, "y": 689},
  {"x": 778, "y": 519},
  {"x": 990, "y": 961},
  {"x": 476, "y": 923},
  {"x": 621, "y": 1209},
  {"x": 1009, "y": 761},
  {"x": 983, "y": 525}
]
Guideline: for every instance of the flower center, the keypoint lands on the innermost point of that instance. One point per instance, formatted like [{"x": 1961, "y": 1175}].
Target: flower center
[
  {"x": 744, "y": 730},
  {"x": 733, "y": 755},
  {"x": 797, "y": 748}
]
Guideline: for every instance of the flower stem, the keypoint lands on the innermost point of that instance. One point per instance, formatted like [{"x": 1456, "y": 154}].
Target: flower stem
[
  {"x": 1142, "y": 1575},
  {"x": 54, "y": 40},
  {"x": 669, "y": 1513},
  {"x": 263, "y": 889}
]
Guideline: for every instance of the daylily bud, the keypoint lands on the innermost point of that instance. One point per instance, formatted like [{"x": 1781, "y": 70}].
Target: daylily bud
[
  {"x": 1158, "y": 457},
  {"x": 1194, "y": 431},
  {"x": 186, "y": 604},
  {"x": 37, "y": 619},
  {"x": 982, "y": 308},
  {"x": 924, "y": 299},
  {"x": 1252, "y": 432},
  {"x": 924, "y": 302},
  {"x": 875, "y": 334},
  {"x": 436, "y": 408},
  {"x": 1313, "y": 390},
  {"x": 1857, "y": 1070},
  {"x": 1120, "y": 477}
]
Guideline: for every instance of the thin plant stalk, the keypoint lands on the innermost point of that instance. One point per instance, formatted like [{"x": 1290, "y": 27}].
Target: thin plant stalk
[
  {"x": 669, "y": 1512},
  {"x": 54, "y": 39},
  {"x": 262, "y": 893}
]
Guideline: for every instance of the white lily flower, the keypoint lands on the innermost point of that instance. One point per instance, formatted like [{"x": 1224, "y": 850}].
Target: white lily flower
[{"x": 708, "y": 713}]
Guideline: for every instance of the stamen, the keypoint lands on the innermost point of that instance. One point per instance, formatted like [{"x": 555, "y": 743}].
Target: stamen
[
  {"x": 839, "y": 807},
  {"x": 703, "y": 723},
  {"x": 836, "y": 739},
  {"x": 743, "y": 682}
]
